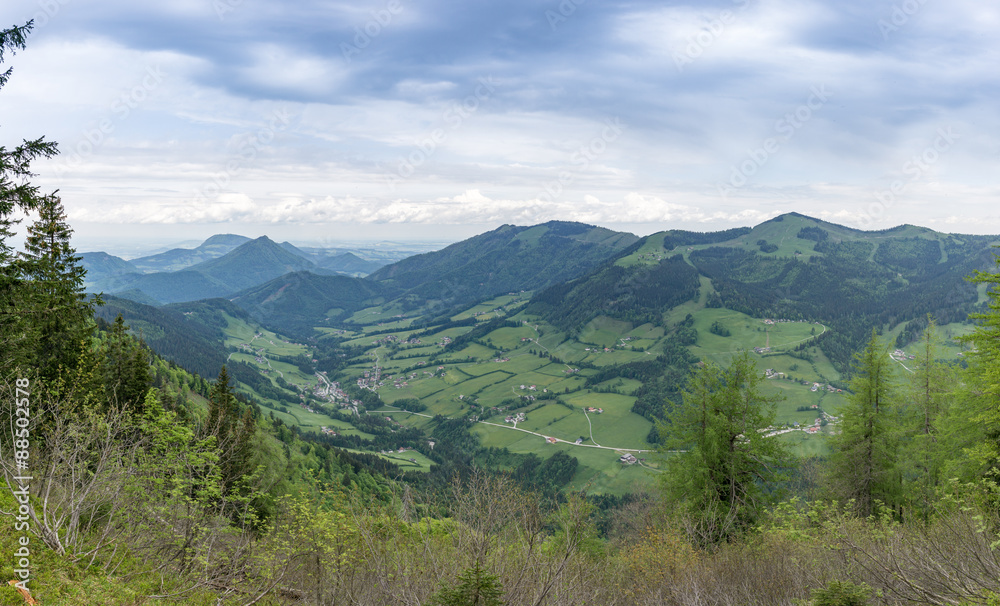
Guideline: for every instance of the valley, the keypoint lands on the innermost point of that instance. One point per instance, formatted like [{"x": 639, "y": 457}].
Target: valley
[{"x": 588, "y": 363}]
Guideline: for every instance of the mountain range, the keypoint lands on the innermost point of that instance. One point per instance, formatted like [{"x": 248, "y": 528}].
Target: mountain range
[{"x": 792, "y": 266}]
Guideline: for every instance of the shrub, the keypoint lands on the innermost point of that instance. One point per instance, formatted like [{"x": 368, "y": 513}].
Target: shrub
[
  {"x": 841, "y": 593},
  {"x": 475, "y": 587}
]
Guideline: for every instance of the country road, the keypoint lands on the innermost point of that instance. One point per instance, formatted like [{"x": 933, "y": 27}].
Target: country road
[{"x": 526, "y": 431}]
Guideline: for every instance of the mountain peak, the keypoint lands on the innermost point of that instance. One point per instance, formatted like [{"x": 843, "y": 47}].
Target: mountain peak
[{"x": 231, "y": 240}]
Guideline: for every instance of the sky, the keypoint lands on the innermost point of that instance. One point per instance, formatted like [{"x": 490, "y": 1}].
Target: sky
[{"x": 327, "y": 121}]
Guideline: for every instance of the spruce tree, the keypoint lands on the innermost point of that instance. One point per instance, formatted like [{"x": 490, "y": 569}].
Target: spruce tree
[
  {"x": 16, "y": 192},
  {"x": 233, "y": 427},
  {"x": 61, "y": 316},
  {"x": 125, "y": 366}
]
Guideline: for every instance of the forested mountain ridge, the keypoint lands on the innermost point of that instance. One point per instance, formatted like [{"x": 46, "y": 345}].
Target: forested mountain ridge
[
  {"x": 297, "y": 302},
  {"x": 509, "y": 258},
  {"x": 794, "y": 267}
]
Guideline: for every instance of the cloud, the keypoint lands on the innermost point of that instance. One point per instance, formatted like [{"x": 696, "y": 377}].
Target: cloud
[{"x": 522, "y": 154}]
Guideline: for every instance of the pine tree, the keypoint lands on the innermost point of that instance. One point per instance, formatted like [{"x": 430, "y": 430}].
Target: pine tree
[
  {"x": 16, "y": 192},
  {"x": 61, "y": 316},
  {"x": 725, "y": 461},
  {"x": 863, "y": 463}
]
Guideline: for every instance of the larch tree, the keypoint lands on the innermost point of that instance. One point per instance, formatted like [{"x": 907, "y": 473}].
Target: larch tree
[
  {"x": 983, "y": 383},
  {"x": 863, "y": 466},
  {"x": 722, "y": 461},
  {"x": 928, "y": 394}
]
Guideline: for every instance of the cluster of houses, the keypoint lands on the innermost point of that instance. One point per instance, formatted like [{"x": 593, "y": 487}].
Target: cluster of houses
[
  {"x": 817, "y": 387},
  {"x": 257, "y": 353},
  {"x": 818, "y": 423},
  {"x": 593, "y": 409},
  {"x": 770, "y": 373},
  {"x": 653, "y": 256},
  {"x": 515, "y": 419},
  {"x": 628, "y": 458},
  {"x": 608, "y": 349},
  {"x": 899, "y": 354},
  {"x": 371, "y": 379},
  {"x": 390, "y": 451},
  {"x": 326, "y": 390},
  {"x": 444, "y": 341},
  {"x": 403, "y": 380},
  {"x": 327, "y": 431},
  {"x": 761, "y": 350}
]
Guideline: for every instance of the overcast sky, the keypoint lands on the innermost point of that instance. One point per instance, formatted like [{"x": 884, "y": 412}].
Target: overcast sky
[{"x": 331, "y": 120}]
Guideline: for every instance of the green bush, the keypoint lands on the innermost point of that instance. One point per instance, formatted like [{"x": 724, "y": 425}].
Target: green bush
[
  {"x": 475, "y": 587},
  {"x": 841, "y": 593}
]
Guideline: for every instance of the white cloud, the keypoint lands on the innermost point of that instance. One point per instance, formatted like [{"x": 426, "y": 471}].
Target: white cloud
[{"x": 284, "y": 70}]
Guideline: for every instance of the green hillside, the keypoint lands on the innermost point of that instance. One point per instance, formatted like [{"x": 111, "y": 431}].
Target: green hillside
[{"x": 507, "y": 259}]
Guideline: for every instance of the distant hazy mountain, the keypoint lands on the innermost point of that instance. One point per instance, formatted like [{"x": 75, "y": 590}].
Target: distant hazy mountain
[
  {"x": 166, "y": 287},
  {"x": 249, "y": 264},
  {"x": 101, "y": 265},
  {"x": 297, "y": 251},
  {"x": 136, "y": 295},
  {"x": 182, "y": 258},
  {"x": 349, "y": 263},
  {"x": 253, "y": 263},
  {"x": 336, "y": 261},
  {"x": 509, "y": 258}
]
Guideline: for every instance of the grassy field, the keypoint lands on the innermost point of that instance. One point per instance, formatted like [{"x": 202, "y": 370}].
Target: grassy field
[
  {"x": 472, "y": 380},
  {"x": 419, "y": 462}
]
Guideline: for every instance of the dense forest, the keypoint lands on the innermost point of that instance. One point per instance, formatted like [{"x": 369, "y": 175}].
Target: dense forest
[{"x": 128, "y": 479}]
